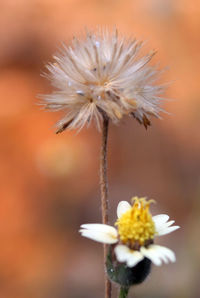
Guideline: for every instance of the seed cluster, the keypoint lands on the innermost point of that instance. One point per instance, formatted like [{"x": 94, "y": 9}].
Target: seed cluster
[{"x": 103, "y": 74}]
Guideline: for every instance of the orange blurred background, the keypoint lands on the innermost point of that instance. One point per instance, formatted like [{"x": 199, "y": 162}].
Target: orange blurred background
[{"x": 49, "y": 182}]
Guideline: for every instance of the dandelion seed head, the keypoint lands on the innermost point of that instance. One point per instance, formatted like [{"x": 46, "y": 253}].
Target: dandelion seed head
[{"x": 102, "y": 75}]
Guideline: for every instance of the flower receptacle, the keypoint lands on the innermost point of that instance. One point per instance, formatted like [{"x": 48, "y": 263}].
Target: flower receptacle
[{"x": 122, "y": 274}]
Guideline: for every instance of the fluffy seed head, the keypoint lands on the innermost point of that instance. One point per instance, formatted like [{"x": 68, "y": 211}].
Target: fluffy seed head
[{"x": 102, "y": 76}]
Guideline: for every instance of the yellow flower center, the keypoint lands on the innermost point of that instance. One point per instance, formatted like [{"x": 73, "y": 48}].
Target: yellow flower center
[{"x": 135, "y": 226}]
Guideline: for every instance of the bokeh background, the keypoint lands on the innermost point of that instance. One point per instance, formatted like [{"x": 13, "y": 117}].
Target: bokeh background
[{"x": 49, "y": 183}]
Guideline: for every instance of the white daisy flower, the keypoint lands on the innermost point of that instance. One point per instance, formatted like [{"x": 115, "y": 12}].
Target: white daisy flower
[
  {"x": 133, "y": 239},
  {"x": 103, "y": 76}
]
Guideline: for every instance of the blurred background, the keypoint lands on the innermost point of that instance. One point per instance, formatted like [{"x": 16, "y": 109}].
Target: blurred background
[{"x": 49, "y": 183}]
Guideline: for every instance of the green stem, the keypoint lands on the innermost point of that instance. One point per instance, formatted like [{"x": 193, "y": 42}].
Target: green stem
[{"x": 123, "y": 292}]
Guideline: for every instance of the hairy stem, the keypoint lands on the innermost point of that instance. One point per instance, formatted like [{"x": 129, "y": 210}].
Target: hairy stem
[
  {"x": 104, "y": 193},
  {"x": 123, "y": 292}
]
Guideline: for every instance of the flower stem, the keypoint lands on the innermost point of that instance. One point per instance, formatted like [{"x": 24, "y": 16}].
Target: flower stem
[
  {"x": 123, "y": 292},
  {"x": 104, "y": 193}
]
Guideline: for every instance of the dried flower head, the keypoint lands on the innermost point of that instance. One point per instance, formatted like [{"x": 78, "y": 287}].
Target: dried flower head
[
  {"x": 133, "y": 239},
  {"x": 102, "y": 76}
]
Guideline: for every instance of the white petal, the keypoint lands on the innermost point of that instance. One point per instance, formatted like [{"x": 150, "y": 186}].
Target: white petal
[
  {"x": 100, "y": 228},
  {"x": 165, "y": 252},
  {"x": 167, "y": 230},
  {"x": 151, "y": 254},
  {"x": 121, "y": 252},
  {"x": 128, "y": 256},
  {"x": 166, "y": 225},
  {"x": 169, "y": 223},
  {"x": 162, "y": 224},
  {"x": 99, "y": 232},
  {"x": 122, "y": 207},
  {"x": 160, "y": 219},
  {"x": 158, "y": 254},
  {"x": 99, "y": 236}
]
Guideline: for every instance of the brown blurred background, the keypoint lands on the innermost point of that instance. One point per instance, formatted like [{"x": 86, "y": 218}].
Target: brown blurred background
[{"x": 49, "y": 182}]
